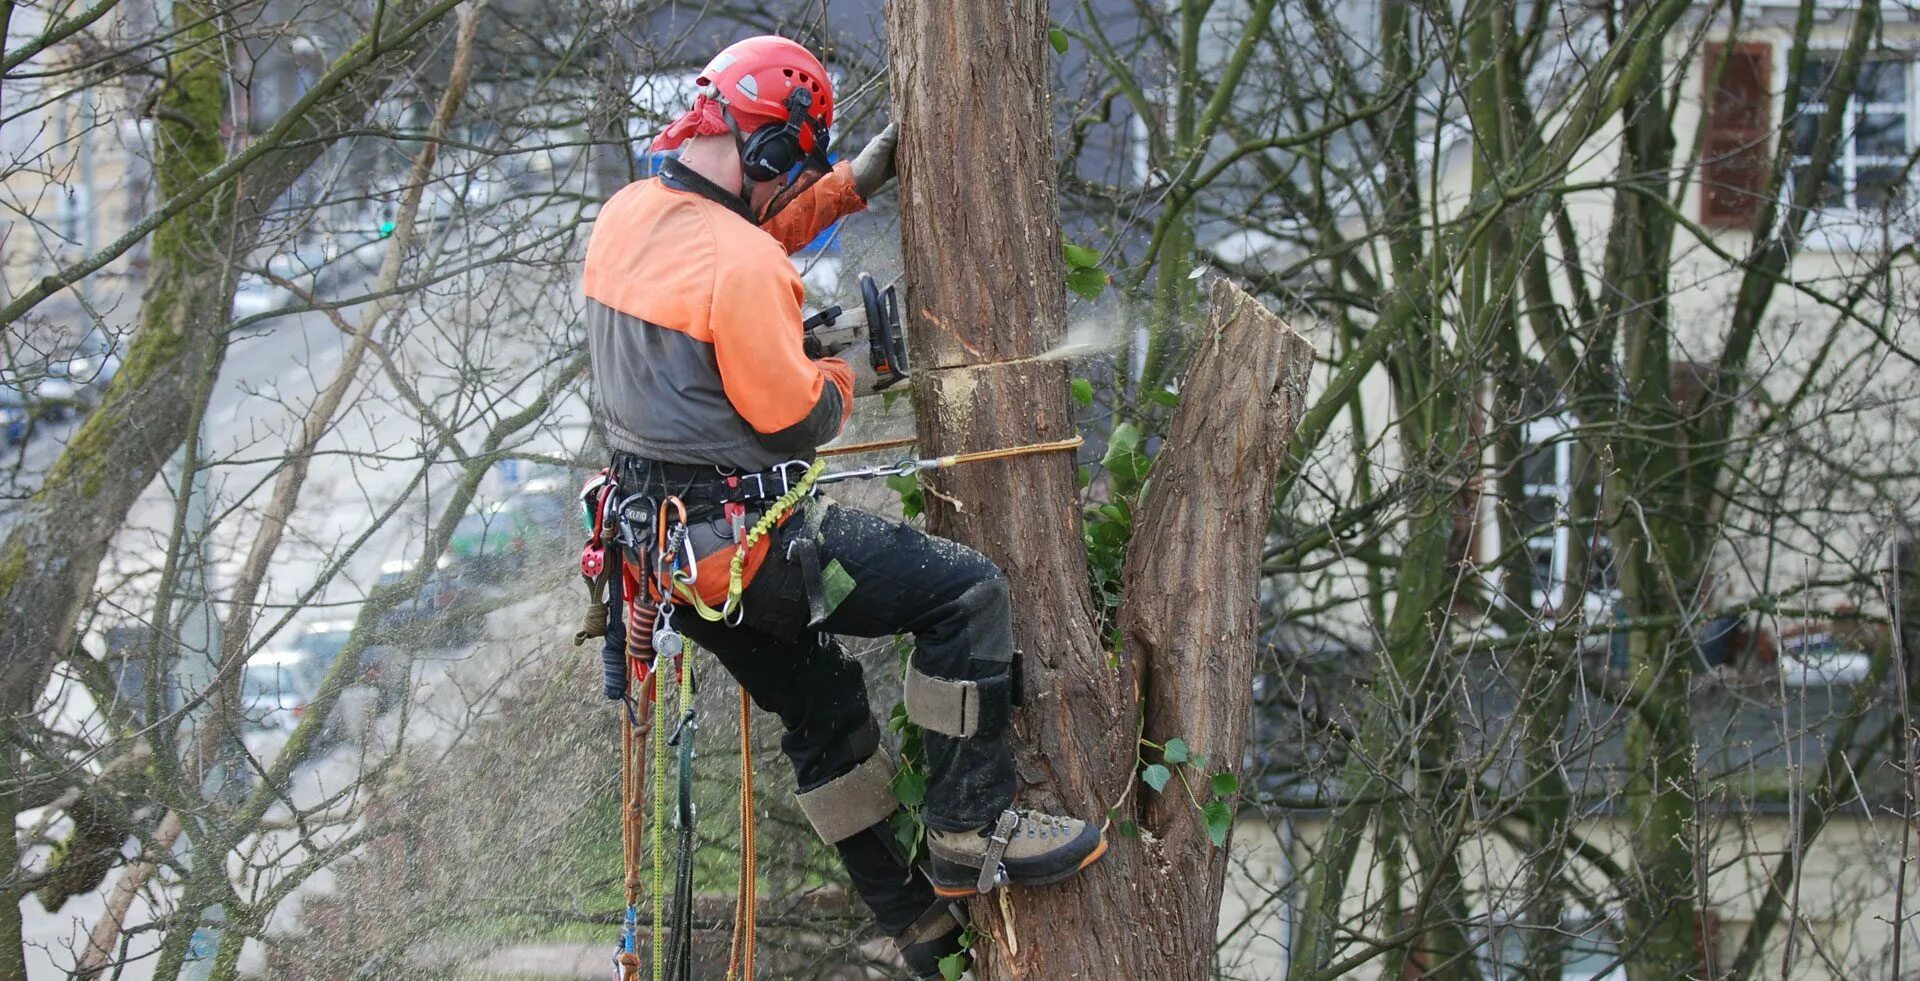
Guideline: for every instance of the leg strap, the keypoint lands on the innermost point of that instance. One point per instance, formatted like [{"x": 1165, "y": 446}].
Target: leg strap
[
  {"x": 961, "y": 709},
  {"x": 852, "y": 802},
  {"x": 991, "y": 872}
]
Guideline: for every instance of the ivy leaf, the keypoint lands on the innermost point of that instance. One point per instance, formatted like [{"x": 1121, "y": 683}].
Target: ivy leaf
[
  {"x": 1156, "y": 776},
  {"x": 953, "y": 966},
  {"x": 1177, "y": 751},
  {"x": 1087, "y": 283},
  {"x": 1057, "y": 38},
  {"x": 908, "y": 487},
  {"x": 1082, "y": 390},
  {"x": 1226, "y": 784},
  {"x": 1121, "y": 445},
  {"x": 910, "y": 787},
  {"x": 1219, "y": 819},
  {"x": 1079, "y": 256},
  {"x": 906, "y": 831},
  {"x": 1129, "y": 829},
  {"x": 1161, "y": 396}
]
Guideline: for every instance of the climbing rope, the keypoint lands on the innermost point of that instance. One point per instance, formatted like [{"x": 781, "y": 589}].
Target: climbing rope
[
  {"x": 746, "y": 903},
  {"x": 914, "y": 465},
  {"x": 680, "y": 947}
]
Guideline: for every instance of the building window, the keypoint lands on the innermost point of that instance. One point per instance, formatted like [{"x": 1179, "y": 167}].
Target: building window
[
  {"x": 1869, "y": 170},
  {"x": 1547, "y": 491},
  {"x": 1546, "y": 522}
]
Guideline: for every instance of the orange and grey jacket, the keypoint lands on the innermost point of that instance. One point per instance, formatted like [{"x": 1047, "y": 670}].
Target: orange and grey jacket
[{"x": 693, "y": 325}]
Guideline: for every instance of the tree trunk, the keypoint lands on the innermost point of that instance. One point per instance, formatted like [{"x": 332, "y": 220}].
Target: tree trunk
[
  {"x": 1190, "y": 615},
  {"x": 985, "y": 288}
]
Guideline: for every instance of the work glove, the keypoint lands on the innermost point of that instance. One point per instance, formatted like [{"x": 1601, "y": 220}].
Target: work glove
[{"x": 873, "y": 168}]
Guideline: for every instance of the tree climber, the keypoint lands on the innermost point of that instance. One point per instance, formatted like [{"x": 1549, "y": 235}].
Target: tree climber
[{"x": 708, "y": 391}]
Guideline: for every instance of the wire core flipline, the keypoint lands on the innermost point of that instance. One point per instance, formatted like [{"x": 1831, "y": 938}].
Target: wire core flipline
[{"x": 652, "y": 647}]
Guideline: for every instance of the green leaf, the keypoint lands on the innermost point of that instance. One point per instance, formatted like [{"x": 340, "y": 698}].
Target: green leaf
[
  {"x": 835, "y": 584},
  {"x": 953, "y": 966},
  {"x": 1219, "y": 819},
  {"x": 1087, "y": 283},
  {"x": 1226, "y": 784},
  {"x": 1129, "y": 829},
  {"x": 1163, "y": 397},
  {"x": 1082, "y": 475},
  {"x": 1121, "y": 445},
  {"x": 1082, "y": 390},
  {"x": 1156, "y": 776},
  {"x": 1079, "y": 256},
  {"x": 910, "y": 787},
  {"x": 1199, "y": 762},
  {"x": 1177, "y": 750},
  {"x": 906, "y": 831},
  {"x": 1057, "y": 38},
  {"x": 908, "y": 487}
]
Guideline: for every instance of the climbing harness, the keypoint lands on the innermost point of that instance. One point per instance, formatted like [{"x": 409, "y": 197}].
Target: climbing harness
[{"x": 655, "y": 568}]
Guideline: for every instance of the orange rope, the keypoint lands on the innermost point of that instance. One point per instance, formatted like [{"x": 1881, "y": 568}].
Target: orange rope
[
  {"x": 878, "y": 444},
  {"x": 746, "y": 903},
  {"x": 948, "y": 461},
  {"x": 978, "y": 456}
]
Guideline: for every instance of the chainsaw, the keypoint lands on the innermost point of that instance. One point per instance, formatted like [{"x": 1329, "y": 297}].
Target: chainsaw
[{"x": 834, "y": 330}]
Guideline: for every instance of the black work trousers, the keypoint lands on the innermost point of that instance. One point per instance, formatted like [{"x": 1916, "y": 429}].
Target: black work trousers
[{"x": 952, "y": 599}]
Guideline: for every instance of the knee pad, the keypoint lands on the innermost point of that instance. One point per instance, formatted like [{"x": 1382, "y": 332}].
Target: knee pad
[
  {"x": 964, "y": 709},
  {"x": 851, "y": 802}
]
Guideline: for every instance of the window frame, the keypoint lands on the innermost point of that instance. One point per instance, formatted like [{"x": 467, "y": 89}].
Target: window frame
[{"x": 1847, "y": 227}]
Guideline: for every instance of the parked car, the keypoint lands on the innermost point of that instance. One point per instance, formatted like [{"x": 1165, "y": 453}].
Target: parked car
[
  {"x": 88, "y": 367},
  {"x": 430, "y": 617},
  {"x": 254, "y": 295},
  {"x": 13, "y": 424},
  {"x": 1817, "y": 657},
  {"x": 36, "y": 392},
  {"x": 493, "y": 539},
  {"x": 275, "y": 690}
]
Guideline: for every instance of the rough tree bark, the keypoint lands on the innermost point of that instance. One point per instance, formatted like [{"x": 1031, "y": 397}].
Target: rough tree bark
[{"x": 984, "y": 280}]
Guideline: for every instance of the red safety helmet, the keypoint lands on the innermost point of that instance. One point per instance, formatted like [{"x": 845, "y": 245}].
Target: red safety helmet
[
  {"x": 757, "y": 77},
  {"x": 775, "y": 98},
  {"x": 759, "y": 82}
]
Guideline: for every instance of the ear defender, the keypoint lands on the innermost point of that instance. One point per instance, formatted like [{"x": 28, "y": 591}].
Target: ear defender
[{"x": 775, "y": 149}]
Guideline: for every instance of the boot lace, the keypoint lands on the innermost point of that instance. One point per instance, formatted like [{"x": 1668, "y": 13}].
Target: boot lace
[{"x": 1040, "y": 824}]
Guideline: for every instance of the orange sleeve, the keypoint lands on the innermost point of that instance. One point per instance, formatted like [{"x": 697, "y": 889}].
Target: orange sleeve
[
  {"x": 764, "y": 369},
  {"x": 841, "y": 374},
  {"x": 830, "y": 199}
]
